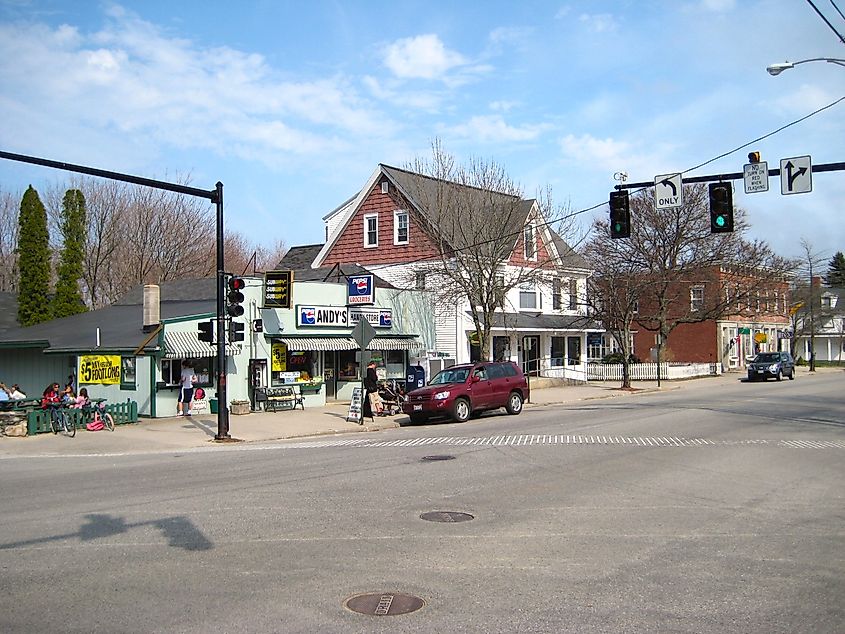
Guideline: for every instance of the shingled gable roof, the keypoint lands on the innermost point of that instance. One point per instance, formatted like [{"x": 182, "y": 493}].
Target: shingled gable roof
[
  {"x": 120, "y": 324},
  {"x": 410, "y": 185},
  {"x": 299, "y": 259}
]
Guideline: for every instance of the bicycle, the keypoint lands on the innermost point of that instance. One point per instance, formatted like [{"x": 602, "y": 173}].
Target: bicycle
[
  {"x": 100, "y": 415},
  {"x": 60, "y": 421}
]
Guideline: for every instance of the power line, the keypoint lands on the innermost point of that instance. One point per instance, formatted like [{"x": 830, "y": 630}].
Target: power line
[
  {"x": 826, "y": 21},
  {"x": 837, "y": 9},
  {"x": 563, "y": 218}
]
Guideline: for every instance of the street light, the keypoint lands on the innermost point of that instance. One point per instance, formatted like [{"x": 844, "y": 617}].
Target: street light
[{"x": 777, "y": 69}]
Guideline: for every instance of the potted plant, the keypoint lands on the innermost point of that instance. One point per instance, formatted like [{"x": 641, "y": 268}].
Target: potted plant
[{"x": 239, "y": 407}]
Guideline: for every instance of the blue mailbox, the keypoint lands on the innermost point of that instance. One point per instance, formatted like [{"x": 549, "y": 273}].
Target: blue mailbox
[{"x": 415, "y": 376}]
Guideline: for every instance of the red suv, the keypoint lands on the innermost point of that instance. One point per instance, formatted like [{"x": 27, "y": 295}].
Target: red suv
[{"x": 467, "y": 390}]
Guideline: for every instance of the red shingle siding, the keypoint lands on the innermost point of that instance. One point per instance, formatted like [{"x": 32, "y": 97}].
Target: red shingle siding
[
  {"x": 349, "y": 247},
  {"x": 543, "y": 258}
]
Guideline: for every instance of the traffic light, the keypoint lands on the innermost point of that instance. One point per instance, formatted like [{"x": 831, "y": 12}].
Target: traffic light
[
  {"x": 205, "y": 331},
  {"x": 620, "y": 215},
  {"x": 236, "y": 331},
  {"x": 753, "y": 157},
  {"x": 235, "y": 297},
  {"x": 721, "y": 208}
]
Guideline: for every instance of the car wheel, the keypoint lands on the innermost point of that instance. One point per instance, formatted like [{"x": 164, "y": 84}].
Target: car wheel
[
  {"x": 779, "y": 377},
  {"x": 514, "y": 405},
  {"x": 461, "y": 410},
  {"x": 418, "y": 419},
  {"x": 792, "y": 375}
]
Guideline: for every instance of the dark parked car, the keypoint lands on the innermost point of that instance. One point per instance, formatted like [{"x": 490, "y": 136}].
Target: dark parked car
[
  {"x": 467, "y": 390},
  {"x": 771, "y": 364}
]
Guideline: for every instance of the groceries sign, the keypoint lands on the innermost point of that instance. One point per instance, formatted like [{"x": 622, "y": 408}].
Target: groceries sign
[{"x": 361, "y": 290}]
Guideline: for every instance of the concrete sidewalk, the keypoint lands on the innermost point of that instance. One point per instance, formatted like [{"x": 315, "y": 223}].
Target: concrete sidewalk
[{"x": 180, "y": 433}]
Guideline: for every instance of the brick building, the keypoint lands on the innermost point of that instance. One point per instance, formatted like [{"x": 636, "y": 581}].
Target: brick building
[{"x": 726, "y": 316}]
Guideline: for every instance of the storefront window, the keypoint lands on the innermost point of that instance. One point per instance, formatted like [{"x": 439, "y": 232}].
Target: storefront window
[
  {"x": 394, "y": 366},
  {"x": 127, "y": 373},
  {"x": 347, "y": 366},
  {"x": 171, "y": 371},
  {"x": 301, "y": 361}
]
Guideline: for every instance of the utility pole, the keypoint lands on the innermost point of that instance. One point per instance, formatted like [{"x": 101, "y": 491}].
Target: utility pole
[{"x": 812, "y": 321}]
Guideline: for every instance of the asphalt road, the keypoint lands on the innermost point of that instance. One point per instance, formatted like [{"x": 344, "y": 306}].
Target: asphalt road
[{"x": 702, "y": 510}]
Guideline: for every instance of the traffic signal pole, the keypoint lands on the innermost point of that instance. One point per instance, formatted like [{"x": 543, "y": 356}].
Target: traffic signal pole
[
  {"x": 214, "y": 195},
  {"x": 733, "y": 176},
  {"x": 222, "y": 369}
]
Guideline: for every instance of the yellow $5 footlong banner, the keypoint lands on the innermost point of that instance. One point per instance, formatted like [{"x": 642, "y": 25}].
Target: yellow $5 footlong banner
[{"x": 99, "y": 368}]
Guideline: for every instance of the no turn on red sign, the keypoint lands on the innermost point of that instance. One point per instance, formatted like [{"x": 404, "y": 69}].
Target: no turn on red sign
[{"x": 756, "y": 177}]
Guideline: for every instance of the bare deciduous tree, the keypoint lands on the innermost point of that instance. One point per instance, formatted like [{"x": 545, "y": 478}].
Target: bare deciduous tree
[
  {"x": 139, "y": 235},
  {"x": 487, "y": 239},
  {"x": 9, "y": 208},
  {"x": 669, "y": 252}
]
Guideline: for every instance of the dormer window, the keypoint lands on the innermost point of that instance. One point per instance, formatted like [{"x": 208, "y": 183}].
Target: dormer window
[
  {"x": 529, "y": 242},
  {"x": 370, "y": 231},
  {"x": 400, "y": 227}
]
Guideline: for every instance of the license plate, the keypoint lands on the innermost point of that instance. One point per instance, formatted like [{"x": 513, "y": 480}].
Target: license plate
[
  {"x": 417, "y": 408},
  {"x": 760, "y": 371}
]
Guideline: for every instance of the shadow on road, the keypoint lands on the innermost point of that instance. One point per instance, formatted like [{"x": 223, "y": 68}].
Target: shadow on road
[{"x": 179, "y": 531}]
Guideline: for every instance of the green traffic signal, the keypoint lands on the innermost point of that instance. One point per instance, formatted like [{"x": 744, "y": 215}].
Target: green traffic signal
[
  {"x": 721, "y": 208},
  {"x": 620, "y": 215}
]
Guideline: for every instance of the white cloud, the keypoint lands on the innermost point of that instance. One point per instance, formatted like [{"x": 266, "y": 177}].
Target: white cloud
[
  {"x": 493, "y": 128},
  {"x": 134, "y": 77},
  {"x": 421, "y": 57},
  {"x": 806, "y": 99},
  {"x": 396, "y": 93},
  {"x": 718, "y": 5},
  {"x": 598, "y": 22},
  {"x": 614, "y": 155}
]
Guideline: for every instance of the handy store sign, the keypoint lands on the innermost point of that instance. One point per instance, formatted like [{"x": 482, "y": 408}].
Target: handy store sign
[{"x": 342, "y": 317}]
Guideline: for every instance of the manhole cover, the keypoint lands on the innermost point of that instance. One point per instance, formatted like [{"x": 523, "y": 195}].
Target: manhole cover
[
  {"x": 440, "y": 457},
  {"x": 447, "y": 516},
  {"x": 384, "y": 603}
]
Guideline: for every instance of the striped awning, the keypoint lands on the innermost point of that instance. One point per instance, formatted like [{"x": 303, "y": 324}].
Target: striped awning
[
  {"x": 348, "y": 343},
  {"x": 389, "y": 343},
  {"x": 318, "y": 343},
  {"x": 185, "y": 345}
]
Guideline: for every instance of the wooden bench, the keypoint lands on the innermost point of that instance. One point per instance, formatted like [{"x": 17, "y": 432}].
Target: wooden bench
[{"x": 283, "y": 398}]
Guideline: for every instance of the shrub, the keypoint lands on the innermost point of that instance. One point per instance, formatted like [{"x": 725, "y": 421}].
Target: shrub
[{"x": 617, "y": 357}]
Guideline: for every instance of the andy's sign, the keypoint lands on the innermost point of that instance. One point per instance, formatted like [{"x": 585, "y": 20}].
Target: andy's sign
[{"x": 361, "y": 290}]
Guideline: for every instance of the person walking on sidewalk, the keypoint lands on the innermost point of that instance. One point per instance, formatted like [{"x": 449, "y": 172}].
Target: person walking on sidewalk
[
  {"x": 186, "y": 390},
  {"x": 371, "y": 386}
]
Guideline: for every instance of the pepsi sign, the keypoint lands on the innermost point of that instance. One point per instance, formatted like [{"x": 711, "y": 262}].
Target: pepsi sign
[{"x": 361, "y": 290}]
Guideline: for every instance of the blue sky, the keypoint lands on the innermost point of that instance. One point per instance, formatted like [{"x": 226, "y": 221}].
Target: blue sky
[{"x": 293, "y": 104}]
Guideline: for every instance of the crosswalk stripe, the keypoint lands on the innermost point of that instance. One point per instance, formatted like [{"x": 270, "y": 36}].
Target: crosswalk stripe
[{"x": 570, "y": 440}]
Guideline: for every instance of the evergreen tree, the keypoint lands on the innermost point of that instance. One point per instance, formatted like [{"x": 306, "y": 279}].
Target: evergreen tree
[
  {"x": 33, "y": 261},
  {"x": 68, "y": 298},
  {"x": 836, "y": 270}
]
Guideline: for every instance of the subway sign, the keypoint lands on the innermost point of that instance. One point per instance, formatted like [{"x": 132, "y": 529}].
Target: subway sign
[{"x": 341, "y": 317}]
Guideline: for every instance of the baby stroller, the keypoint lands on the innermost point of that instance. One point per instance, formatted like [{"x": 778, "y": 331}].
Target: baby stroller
[{"x": 392, "y": 397}]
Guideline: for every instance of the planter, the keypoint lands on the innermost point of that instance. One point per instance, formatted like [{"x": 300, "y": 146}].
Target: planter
[{"x": 240, "y": 407}]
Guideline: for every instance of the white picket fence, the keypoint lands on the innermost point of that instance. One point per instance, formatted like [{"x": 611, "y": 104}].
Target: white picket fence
[{"x": 648, "y": 371}]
